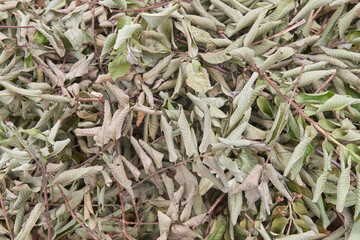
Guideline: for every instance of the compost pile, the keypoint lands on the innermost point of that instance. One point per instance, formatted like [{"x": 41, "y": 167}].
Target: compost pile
[{"x": 200, "y": 119}]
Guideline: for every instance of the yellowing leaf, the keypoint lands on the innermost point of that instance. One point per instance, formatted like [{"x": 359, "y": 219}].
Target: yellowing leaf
[{"x": 197, "y": 77}]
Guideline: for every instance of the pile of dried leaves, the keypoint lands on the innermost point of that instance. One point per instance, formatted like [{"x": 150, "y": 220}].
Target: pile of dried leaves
[{"x": 200, "y": 119}]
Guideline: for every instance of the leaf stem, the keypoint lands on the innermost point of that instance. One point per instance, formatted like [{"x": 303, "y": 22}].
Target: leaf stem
[
  {"x": 283, "y": 119},
  {"x": 5, "y": 216},
  {"x": 308, "y": 119}
]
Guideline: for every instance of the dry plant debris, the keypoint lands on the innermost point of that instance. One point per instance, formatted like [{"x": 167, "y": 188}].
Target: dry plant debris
[{"x": 200, "y": 119}]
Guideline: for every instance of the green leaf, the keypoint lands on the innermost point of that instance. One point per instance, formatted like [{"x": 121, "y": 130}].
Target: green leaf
[
  {"x": 218, "y": 228},
  {"x": 197, "y": 77},
  {"x": 310, "y": 77},
  {"x": 75, "y": 174},
  {"x": 119, "y": 66},
  {"x": 40, "y": 38},
  {"x": 336, "y": 103},
  {"x": 274, "y": 176},
  {"x": 314, "y": 98},
  {"x": 300, "y": 150},
  {"x": 343, "y": 188},
  {"x": 320, "y": 185},
  {"x": 114, "y": 3},
  {"x": 355, "y": 232},
  {"x": 16, "y": 153},
  {"x": 283, "y": 7},
  {"x": 342, "y": 53},
  {"x": 155, "y": 19},
  {"x": 125, "y": 33},
  {"x": 119, "y": 174},
  {"x": 188, "y": 141},
  {"x": 299, "y": 208},
  {"x": 34, "y": 216},
  {"x": 278, "y": 225}
]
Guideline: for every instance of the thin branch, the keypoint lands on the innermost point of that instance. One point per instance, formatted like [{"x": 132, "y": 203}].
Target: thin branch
[
  {"x": 248, "y": 217},
  {"x": 73, "y": 214},
  {"x": 317, "y": 12},
  {"x": 137, "y": 217},
  {"x": 92, "y": 158},
  {"x": 164, "y": 169},
  {"x": 123, "y": 213},
  {"x": 16, "y": 26},
  {"x": 5, "y": 216},
  {"x": 127, "y": 222},
  {"x": 307, "y": 118},
  {"x": 290, "y": 218},
  {"x": 43, "y": 171},
  {"x": 283, "y": 31},
  {"x": 211, "y": 209},
  {"x": 61, "y": 191},
  {"x": 283, "y": 118}
]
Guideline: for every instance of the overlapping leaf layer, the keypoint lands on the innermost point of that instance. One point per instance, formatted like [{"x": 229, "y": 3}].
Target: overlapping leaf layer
[{"x": 200, "y": 119}]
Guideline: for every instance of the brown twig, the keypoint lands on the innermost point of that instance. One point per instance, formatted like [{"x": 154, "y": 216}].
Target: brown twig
[
  {"x": 16, "y": 26},
  {"x": 5, "y": 216},
  {"x": 62, "y": 194},
  {"x": 164, "y": 169},
  {"x": 211, "y": 209},
  {"x": 43, "y": 171},
  {"x": 317, "y": 12},
  {"x": 122, "y": 206},
  {"x": 283, "y": 118},
  {"x": 137, "y": 217},
  {"x": 92, "y": 158},
  {"x": 248, "y": 217},
  {"x": 219, "y": 68},
  {"x": 127, "y": 222},
  {"x": 160, "y": 4},
  {"x": 73, "y": 214},
  {"x": 307, "y": 118},
  {"x": 93, "y": 36},
  {"x": 123, "y": 214},
  {"x": 283, "y": 31},
  {"x": 336, "y": 164},
  {"x": 318, "y": 90},
  {"x": 177, "y": 38},
  {"x": 157, "y": 139}
]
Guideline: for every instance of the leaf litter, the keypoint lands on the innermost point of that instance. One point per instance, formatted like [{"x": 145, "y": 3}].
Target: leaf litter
[{"x": 180, "y": 119}]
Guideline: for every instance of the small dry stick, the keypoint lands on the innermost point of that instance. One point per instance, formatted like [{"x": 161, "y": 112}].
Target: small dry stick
[
  {"x": 248, "y": 217},
  {"x": 43, "y": 171},
  {"x": 92, "y": 158},
  {"x": 62, "y": 194},
  {"x": 17, "y": 26},
  {"x": 137, "y": 217},
  {"x": 127, "y": 222},
  {"x": 307, "y": 118},
  {"x": 212, "y": 208},
  {"x": 317, "y": 12},
  {"x": 286, "y": 112},
  {"x": 283, "y": 31},
  {"x": 122, "y": 205},
  {"x": 5, "y": 216},
  {"x": 164, "y": 169},
  {"x": 73, "y": 214}
]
